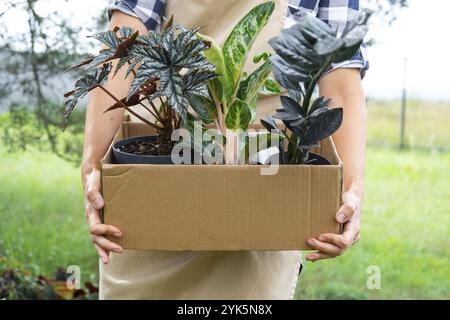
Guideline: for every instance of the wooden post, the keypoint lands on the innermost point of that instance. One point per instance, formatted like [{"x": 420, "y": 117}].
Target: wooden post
[{"x": 403, "y": 109}]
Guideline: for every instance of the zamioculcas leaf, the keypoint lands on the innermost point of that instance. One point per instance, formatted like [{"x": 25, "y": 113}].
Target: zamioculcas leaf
[
  {"x": 249, "y": 88},
  {"x": 290, "y": 105},
  {"x": 239, "y": 116},
  {"x": 269, "y": 124},
  {"x": 241, "y": 39},
  {"x": 287, "y": 116},
  {"x": 324, "y": 125},
  {"x": 287, "y": 70},
  {"x": 284, "y": 79},
  {"x": 318, "y": 104},
  {"x": 296, "y": 95}
]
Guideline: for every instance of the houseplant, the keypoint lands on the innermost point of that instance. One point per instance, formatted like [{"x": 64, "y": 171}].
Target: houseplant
[
  {"x": 304, "y": 53},
  {"x": 168, "y": 67},
  {"x": 159, "y": 62},
  {"x": 237, "y": 219},
  {"x": 234, "y": 93}
]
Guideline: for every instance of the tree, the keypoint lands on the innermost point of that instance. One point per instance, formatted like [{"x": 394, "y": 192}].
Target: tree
[{"x": 32, "y": 65}]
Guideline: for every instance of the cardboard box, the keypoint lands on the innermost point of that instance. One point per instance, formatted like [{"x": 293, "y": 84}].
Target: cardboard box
[{"x": 219, "y": 207}]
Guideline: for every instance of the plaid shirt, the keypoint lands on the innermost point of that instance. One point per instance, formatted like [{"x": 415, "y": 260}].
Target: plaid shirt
[{"x": 334, "y": 12}]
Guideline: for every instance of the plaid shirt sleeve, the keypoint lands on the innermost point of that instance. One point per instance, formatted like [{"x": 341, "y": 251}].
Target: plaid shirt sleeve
[
  {"x": 336, "y": 13},
  {"x": 149, "y": 11}
]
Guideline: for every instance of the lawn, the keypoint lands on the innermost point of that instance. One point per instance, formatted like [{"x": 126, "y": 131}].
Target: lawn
[
  {"x": 43, "y": 225},
  {"x": 426, "y": 123},
  {"x": 405, "y": 224}
]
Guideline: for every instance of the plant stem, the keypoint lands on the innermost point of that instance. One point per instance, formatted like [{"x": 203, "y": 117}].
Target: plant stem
[
  {"x": 162, "y": 105},
  {"x": 312, "y": 85},
  {"x": 150, "y": 111},
  {"x": 219, "y": 122}
]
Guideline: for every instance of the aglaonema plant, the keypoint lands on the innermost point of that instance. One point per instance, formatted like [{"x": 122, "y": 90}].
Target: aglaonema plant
[
  {"x": 168, "y": 66},
  {"x": 304, "y": 53},
  {"x": 232, "y": 106}
]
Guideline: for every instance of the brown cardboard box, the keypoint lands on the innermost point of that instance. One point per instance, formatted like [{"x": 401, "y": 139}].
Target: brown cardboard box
[{"x": 219, "y": 207}]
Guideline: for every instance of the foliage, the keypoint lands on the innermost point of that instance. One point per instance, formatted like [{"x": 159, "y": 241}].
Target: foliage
[
  {"x": 32, "y": 60},
  {"x": 234, "y": 93},
  {"x": 305, "y": 53},
  {"x": 169, "y": 64},
  {"x": 415, "y": 241},
  {"x": 84, "y": 85},
  {"x": 22, "y": 130},
  {"x": 18, "y": 284},
  {"x": 45, "y": 229},
  {"x": 232, "y": 106},
  {"x": 47, "y": 45}
]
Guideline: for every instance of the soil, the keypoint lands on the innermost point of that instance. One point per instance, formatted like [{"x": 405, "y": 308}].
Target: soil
[{"x": 147, "y": 147}]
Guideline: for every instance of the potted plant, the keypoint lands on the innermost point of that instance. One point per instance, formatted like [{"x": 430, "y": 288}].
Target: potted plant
[
  {"x": 234, "y": 93},
  {"x": 169, "y": 68},
  {"x": 239, "y": 219},
  {"x": 304, "y": 53}
]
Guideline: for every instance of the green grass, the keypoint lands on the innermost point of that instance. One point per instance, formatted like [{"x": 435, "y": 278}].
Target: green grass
[
  {"x": 43, "y": 224},
  {"x": 426, "y": 123},
  {"x": 404, "y": 229},
  {"x": 404, "y": 232}
]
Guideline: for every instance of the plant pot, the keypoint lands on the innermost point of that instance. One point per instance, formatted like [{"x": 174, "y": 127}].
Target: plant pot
[
  {"x": 314, "y": 159},
  {"x": 317, "y": 160},
  {"x": 121, "y": 157}
]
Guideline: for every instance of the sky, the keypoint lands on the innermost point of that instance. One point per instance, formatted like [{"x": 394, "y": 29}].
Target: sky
[{"x": 420, "y": 34}]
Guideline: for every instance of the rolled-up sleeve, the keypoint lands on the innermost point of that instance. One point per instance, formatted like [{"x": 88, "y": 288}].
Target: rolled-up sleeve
[
  {"x": 337, "y": 13},
  {"x": 149, "y": 11}
]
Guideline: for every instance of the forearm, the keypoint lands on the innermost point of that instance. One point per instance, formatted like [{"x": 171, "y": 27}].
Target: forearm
[
  {"x": 343, "y": 86},
  {"x": 100, "y": 126}
]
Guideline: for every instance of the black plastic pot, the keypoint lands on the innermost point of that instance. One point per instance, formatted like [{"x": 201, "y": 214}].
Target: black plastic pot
[
  {"x": 317, "y": 160},
  {"x": 121, "y": 157},
  {"x": 314, "y": 159}
]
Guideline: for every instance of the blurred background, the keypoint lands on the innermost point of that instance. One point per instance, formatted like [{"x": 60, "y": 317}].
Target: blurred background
[{"x": 405, "y": 227}]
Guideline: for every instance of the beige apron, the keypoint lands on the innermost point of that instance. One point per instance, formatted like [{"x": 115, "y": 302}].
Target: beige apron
[{"x": 208, "y": 274}]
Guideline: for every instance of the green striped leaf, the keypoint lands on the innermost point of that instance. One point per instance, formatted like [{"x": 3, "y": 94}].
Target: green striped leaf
[
  {"x": 249, "y": 88},
  {"x": 238, "y": 116},
  {"x": 241, "y": 39}
]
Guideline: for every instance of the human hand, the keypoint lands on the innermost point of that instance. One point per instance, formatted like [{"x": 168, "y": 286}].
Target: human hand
[
  {"x": 330, "y": 245},
  {"x": 93, "y": 204}
]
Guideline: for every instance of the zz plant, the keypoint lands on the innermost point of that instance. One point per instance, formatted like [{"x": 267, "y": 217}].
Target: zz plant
[{"x": 304, "y": 53}]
